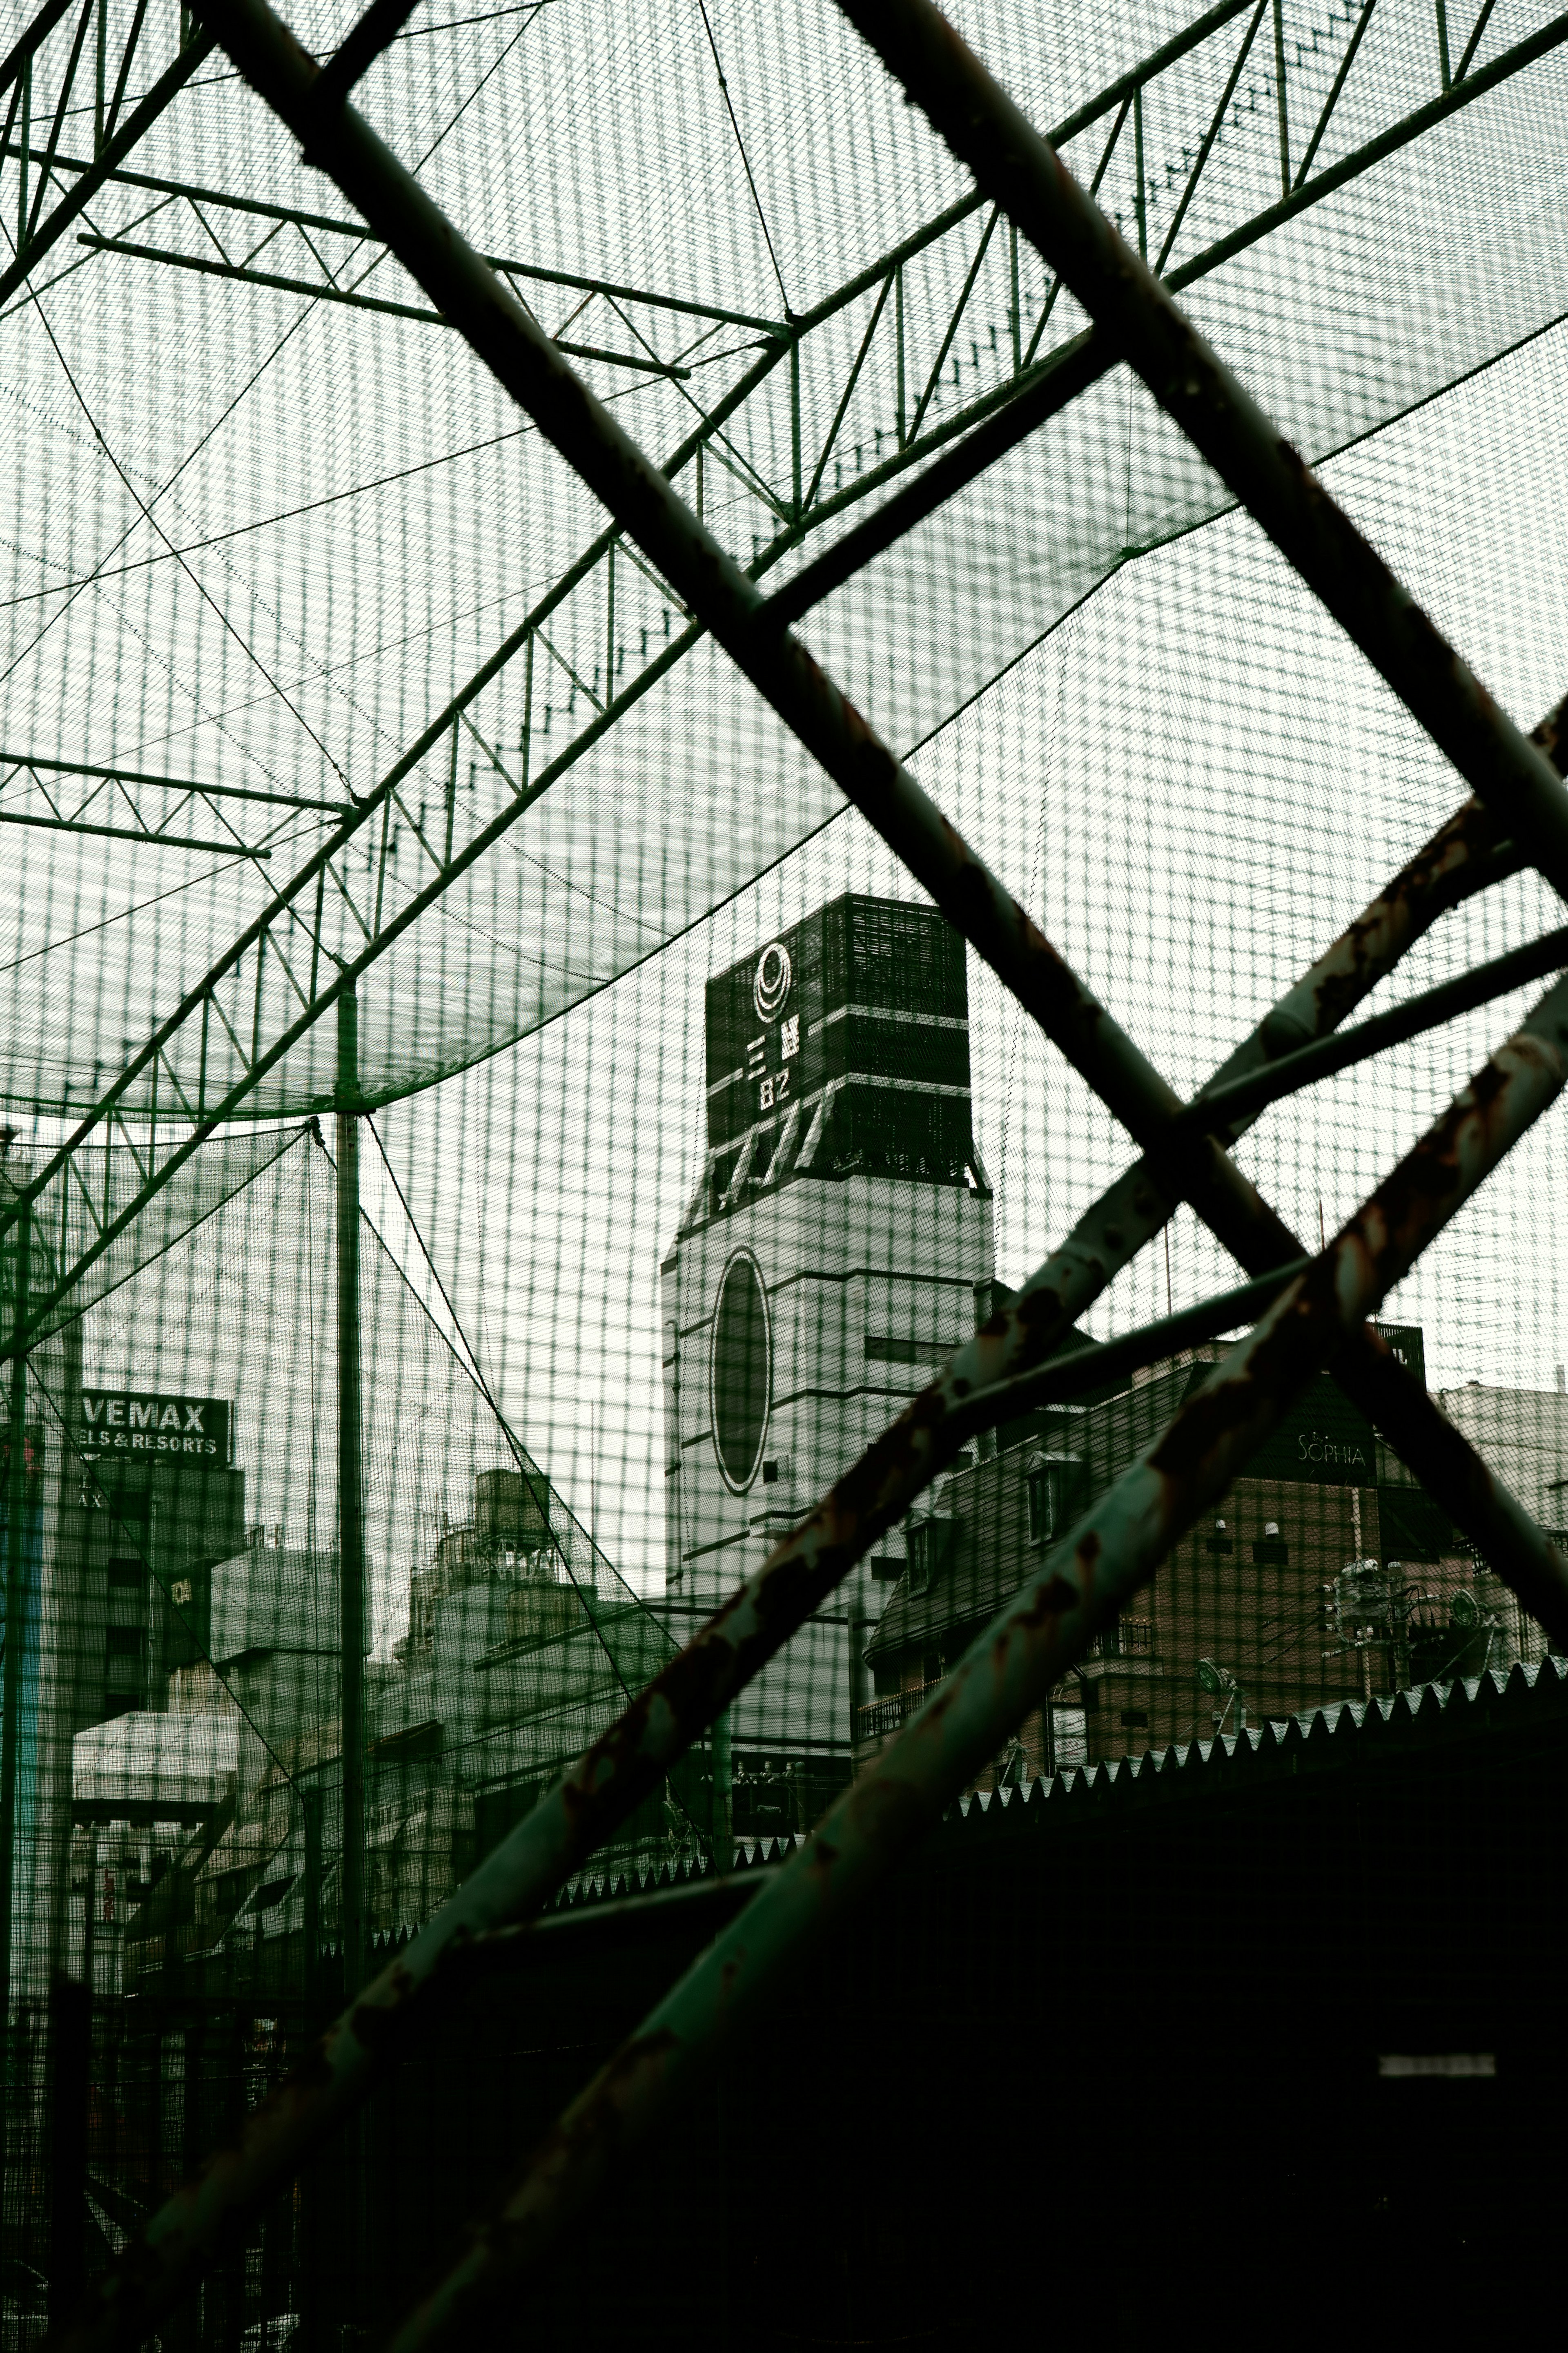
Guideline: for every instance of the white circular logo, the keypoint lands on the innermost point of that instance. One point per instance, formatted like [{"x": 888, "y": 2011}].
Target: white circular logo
[{"x": 771, "y": 986}]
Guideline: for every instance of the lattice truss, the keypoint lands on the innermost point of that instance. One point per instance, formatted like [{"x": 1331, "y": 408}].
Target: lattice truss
[{"x": 1010, "y": 359}]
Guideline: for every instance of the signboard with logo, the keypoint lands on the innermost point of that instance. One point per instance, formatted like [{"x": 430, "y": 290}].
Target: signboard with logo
[
  {"x": 153, "y": 1426},
  {"x": 864, "y": 987}
]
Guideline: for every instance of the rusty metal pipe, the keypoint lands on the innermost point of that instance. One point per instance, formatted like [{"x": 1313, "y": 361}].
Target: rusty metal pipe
[
  {"x": 1219, "y": 1105},
  {"x": 634, "y": 1754},
  {"x": 1113, "y": 1550},
  {"x": 1020, "y": 171}
]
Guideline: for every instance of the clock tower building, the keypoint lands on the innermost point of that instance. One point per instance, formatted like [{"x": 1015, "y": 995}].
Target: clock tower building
[{"x": 828, "y": 1262}]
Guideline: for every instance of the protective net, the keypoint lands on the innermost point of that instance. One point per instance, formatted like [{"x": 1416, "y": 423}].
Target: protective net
[{"x": 495, "y": 1137}]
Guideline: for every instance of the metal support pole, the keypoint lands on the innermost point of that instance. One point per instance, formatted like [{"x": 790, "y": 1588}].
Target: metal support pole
[
  {"x": 687, "y": 1696},
  {"x": 70, "y": 2076},
  {"x": 15, "y": 1614},
  {"x": 723, "y": 1795},
  {"x": 310, "y": 1814},
  {"x": 350, "y": 1499}
]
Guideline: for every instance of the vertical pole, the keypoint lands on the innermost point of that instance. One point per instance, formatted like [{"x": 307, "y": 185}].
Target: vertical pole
[
  {"x": 11, "y": 2107},
  {"x": 15, "y": 1616},
  {"x": 526, "y": 750},
  {"x": 452, "y": 785},
  {"x": 1280, "y": 90},
  {"x": 70, "y": 2069},
  {"x": 1443, "y": 44},
  {"x": 350, "y": 1499},
  {"x": 1017, "y": 314},
  {"x": 723, "y": 1795},
  {"x": 898, "y": 342},
  {"x": 26, "y": 141},
  {"x": 88, "y": 1921},
  {"x": 610, "y": 626},
  {"x": 1139, "y": 206},
  {"x": 795, "y": 424},
  {"x": 310, "y": 1809}
]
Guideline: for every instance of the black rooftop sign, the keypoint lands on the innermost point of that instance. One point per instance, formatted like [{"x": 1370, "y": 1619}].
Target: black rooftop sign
[
  {"x": 153, "y": 1426},
  {"x": 862, "y": 985}
]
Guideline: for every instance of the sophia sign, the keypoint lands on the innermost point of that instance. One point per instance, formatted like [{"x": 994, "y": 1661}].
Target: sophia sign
[{"x": 151, "y": 1423}]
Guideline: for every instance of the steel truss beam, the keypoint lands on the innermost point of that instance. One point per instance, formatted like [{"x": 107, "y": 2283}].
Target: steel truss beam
[
  {"x": 230, "y": 1005},
  {"x": 1316, "y": 1321},
  {"x": 227, "y": 1004},
  {"x": 190, "y": 786},
  {"x": 34, "y": 771},
  {"x": 326, "y": 225},
  {"x": 322, "y": 291},
  {"x": 37, "y": 229}
]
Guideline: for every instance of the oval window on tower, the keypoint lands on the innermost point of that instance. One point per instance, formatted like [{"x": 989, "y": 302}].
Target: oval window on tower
[{"x": 741, "y": 1370}]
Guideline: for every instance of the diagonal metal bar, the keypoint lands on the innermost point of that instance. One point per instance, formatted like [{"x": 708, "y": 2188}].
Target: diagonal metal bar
[
  {"x": 847, "y": 395},
  {"x": 1018, "y": 169},
  {"x": 122, "y": 79},
  {"x": 67, "y": 80},
  {"x": 1483, "y": 18},
  {"x": 952, "y": 326},
  {"x": 1333, "y": 99},
  {"x": 633, "y": 1757},
  {"x": 72, "y": 206},
  {"x": 1112, "y": 1551},
  {"x": 1210, "y": 135},
  {"x": 1241, "y": 1098},
  {"x": 30, "y": 42}
]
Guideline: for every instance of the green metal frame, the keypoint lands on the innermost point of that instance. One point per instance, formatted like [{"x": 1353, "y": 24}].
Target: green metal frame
[{"x": 1318, "y": 1319}]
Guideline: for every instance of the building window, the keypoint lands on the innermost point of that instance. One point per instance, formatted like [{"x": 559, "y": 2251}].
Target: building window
[
  {"x": 930, "y": 1547},
  {"x": 1221, "y": 1540},
  {"x": 1270, "y": 1546},
  {"x": 1050, "y": 1485}
]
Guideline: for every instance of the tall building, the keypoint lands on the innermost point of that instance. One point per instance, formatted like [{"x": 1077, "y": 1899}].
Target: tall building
[{"x": 827, "y": 1263}]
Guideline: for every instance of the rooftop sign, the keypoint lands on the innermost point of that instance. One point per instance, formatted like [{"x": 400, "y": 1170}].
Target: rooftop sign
[{"x": 153, "y": 1424}]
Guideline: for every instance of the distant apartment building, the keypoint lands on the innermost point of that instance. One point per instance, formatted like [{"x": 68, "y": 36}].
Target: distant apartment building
[{"x": 1327, "y": 1573}]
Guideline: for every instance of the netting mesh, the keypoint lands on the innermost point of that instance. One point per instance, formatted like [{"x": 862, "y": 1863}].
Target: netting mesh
[{"x": 388, "y": 1404}]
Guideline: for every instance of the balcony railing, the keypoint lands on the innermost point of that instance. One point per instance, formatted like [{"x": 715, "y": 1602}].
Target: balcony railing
[
  {"x": 879, "y": 1717},
  {"x": 1130, "y": 1638}
]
